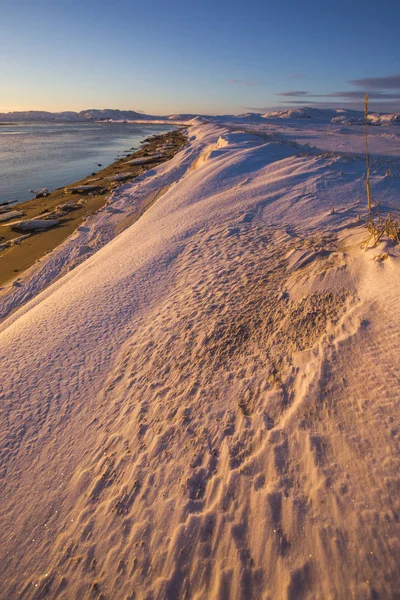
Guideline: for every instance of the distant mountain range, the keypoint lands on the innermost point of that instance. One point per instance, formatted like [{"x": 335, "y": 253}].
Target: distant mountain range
[
  {"x": 321, "y": 115},
  {"x": 88, "y": 115}
]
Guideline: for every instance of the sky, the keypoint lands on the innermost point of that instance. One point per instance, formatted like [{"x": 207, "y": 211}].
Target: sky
[{"x": 198, "y": 56}]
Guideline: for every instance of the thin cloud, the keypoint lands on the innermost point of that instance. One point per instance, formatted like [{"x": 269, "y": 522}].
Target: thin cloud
[
  {"x": 323, "y": 104},
  {"x": 261, "y": 109},
  {"x": 257, "y": 109},
  {"x": 295, "y": 93},
  {"x": 244, "y": 82},
  {"x": 346, "y": 95},
  {"x": 377, "y": 87},
  {"x": 390, "y": 82},
  {"x": 359, "y": 95}
]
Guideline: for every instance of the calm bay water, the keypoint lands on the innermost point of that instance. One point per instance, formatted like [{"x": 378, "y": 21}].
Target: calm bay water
[{"x": 51, "y": 155}]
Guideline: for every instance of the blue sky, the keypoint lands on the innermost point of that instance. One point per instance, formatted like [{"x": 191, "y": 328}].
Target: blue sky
[{"x": 202, "y": 56}]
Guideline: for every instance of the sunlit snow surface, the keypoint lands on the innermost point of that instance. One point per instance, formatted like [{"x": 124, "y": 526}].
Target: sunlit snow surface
[{"x": 207, "y": 404}]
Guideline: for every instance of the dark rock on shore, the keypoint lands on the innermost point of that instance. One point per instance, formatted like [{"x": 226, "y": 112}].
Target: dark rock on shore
[{"x": 35, "y": 224}]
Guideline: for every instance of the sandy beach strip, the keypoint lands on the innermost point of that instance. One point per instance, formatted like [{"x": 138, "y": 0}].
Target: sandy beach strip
[{"x": 71, "y": 205}]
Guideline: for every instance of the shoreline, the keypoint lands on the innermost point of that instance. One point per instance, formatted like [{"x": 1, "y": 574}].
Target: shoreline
[{"x": 70, "y": 207}]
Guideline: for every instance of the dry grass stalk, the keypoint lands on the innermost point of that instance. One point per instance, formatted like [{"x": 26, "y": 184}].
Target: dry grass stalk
[
  {"x": 388, "y": 227},
  {"x": 367, "y": 160},
  {"x": 378, "y": 227}
]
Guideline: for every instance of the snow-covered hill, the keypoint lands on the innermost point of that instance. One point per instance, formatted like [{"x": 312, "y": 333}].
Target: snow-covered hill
[
  {"x": 88, "y": 115},
  {"x": 112, "y": 115},
  {"x": 38, "y": 115},
  {"x": 207, "y": 407},
  {"x": 327, "y": 115},
  {"x": 314, "y": 115}
]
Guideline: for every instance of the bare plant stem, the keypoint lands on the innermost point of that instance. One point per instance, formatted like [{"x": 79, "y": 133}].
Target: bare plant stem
[
  {"x": 380, "y": 226},
  {"x": 367, "y": 161}
]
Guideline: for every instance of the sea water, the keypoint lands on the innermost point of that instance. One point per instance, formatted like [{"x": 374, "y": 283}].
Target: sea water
[{"x": 51, "y": 155}]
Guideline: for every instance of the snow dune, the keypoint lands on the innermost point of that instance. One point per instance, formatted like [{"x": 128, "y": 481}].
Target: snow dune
[{"x": 206, "y": 407}]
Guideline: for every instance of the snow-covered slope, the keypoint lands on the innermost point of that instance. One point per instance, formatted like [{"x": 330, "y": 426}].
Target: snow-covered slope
[
  {"x": 324, "y": 115},
  {"x": 335, "y": 115},
  {"x": 314, "y": 115},
  {"x": 207, "y": 406}
]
